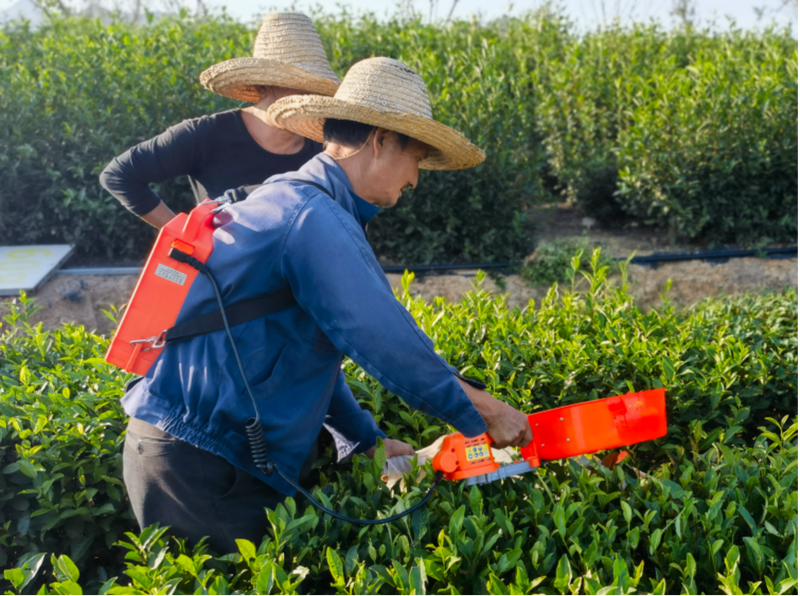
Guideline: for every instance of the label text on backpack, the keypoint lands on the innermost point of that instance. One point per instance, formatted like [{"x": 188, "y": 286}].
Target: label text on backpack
[{"x": 171, "y": 274}]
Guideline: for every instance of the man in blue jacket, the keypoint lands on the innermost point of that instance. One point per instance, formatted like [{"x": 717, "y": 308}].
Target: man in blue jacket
[{"x": 187, "y": 462}]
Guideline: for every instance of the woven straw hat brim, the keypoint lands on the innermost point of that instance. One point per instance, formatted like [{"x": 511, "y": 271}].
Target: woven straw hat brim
[
  {"x": 237, "y": 78},
  {"x": 306, "y": 114}
]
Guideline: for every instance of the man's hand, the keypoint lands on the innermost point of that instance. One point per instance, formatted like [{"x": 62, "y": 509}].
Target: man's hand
[
  {"x": 393, "y": 447},
  {"x": 507, "y": 427}
]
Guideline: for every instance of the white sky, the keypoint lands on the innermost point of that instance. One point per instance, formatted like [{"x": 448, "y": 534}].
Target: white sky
[{"x": 586, "y": 13}]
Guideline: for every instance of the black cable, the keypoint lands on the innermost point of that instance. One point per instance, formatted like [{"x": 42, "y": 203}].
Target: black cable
[
  {"x": 255, "y": 433},
  {"x": 453, "y": 267},
  {"x": 367, "y": 522},
  {"x": 648, "y": 260}
]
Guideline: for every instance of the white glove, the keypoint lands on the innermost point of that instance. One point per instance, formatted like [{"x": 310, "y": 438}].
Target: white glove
[{"x": 398, "y": 465}]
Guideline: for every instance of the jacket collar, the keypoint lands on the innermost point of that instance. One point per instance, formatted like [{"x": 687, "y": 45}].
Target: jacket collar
[{"x": 323, "y": 170}]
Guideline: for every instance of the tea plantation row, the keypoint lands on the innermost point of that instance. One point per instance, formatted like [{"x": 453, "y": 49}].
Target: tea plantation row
[
  {"x": 716, "y": 510},
  {"x": 690, "y": 130}
]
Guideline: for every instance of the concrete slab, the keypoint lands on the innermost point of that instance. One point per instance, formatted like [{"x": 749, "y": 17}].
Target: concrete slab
[{"x": 28, "y": 267}]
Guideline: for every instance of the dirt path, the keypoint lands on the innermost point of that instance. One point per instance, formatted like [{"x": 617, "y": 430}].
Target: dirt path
[{"x": 82, "y": 299}]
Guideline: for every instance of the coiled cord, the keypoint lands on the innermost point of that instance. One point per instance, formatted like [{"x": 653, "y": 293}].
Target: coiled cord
[
  {"x": 254, "y": 430},
  {"x": 255, "y": 436}
]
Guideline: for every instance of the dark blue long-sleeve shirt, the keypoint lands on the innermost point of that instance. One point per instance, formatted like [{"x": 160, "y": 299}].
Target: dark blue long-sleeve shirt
[{"x": 290, "y": 234}]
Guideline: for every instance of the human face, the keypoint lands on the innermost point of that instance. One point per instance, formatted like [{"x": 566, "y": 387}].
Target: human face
[
  {"x": 396, "y": 169},
  {"x": 271, "y": 94},
  {"x": 281, "y": 92}
]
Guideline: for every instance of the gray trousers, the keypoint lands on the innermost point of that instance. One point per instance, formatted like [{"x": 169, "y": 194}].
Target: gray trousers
[{"x": 193, "y": 491}]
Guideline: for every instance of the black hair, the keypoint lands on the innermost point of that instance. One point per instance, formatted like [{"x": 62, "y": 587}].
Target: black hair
[{"x": 353, "y": 134}]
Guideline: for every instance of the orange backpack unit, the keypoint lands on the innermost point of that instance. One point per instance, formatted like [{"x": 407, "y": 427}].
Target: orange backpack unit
[{"x": 161, "y": 290}]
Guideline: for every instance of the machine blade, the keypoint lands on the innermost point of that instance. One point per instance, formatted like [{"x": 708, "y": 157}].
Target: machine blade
[{"x": 503, "y": 472}]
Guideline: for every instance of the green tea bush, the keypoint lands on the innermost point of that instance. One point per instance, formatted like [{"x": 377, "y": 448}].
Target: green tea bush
[
  {"x": 711, "y": 150},
  {"x": 76, "y": 93},
  {"x": 585, "y": 91},
  {"x": 580, "y": 99},
  {"x": 686, "y": 129},
  {"x": 724, "y": 520},
  {"x": 720, "y": 359},
  {"x": 479, "y": 83},
  {"x": 716, "y": 511},
  {"x": 61, "y": 433},
  {"x": 551, "y": 261}
]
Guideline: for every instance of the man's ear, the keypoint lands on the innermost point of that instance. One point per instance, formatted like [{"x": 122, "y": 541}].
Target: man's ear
[{"x": 379, "y": 141}]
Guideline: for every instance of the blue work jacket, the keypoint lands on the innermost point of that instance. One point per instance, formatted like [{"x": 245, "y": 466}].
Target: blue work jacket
[{"x": 292, "y": 234}]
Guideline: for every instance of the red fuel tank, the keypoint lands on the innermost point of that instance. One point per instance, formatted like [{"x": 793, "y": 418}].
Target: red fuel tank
[{"x": 161, "y": 290}]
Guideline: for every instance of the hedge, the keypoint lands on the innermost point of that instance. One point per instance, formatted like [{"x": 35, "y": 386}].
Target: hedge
[
  {"x": 77, "y": 93},
  {"x": 709, "y": 152},
  {"x": 569, "y": 530},
  {"x": 686, "y": 129},
  {"x": 716, "y": 511},
  {"x": 690, "y": 130}
]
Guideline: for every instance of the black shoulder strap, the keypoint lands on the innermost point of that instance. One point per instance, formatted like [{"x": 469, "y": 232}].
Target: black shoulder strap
[
  {"x": 238, "y": 313},
  {"x": 314, "y": 184},
  {"x": 241, "y": 193},
  {"x": 242, "y": 311}
]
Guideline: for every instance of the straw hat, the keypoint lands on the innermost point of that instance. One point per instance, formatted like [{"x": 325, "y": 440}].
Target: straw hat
[
  {"x": 386, "y": 93},
  {"x": 288, "y": 53}
]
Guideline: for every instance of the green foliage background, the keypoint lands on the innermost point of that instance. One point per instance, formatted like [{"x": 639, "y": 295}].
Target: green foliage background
[
  {"x": 717, "y": 511},
  {"x": 690, "y": 130}
]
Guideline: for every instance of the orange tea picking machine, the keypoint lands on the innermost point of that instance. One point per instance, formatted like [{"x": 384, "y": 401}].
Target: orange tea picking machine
[{"x": 568, "y": 431}]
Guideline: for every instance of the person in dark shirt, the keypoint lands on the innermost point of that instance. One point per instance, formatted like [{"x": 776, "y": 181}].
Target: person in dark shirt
[{"x": 235, "y": 148}]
